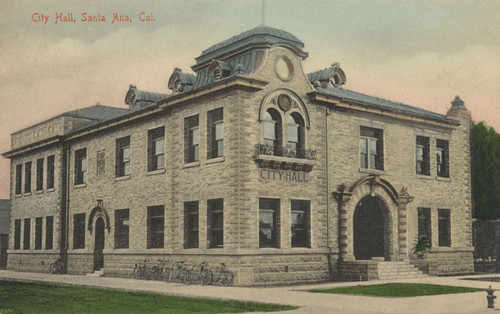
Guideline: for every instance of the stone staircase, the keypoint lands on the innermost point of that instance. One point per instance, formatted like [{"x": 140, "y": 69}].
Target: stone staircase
[{"x": 398, "y": 270}]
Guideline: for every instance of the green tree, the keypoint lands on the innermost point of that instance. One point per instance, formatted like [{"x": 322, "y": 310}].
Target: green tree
[{"x": 485, "y": 151}]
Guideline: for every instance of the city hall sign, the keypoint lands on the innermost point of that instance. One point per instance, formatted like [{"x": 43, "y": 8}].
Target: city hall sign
[{"x": 283, "y": 175}]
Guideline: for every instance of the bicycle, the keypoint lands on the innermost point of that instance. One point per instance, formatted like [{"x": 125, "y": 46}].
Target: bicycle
[
  {"x": 174, "y": 273},
  {"x": 223, "y": 276},
  {"x": 141, "y": 271},
  {"x": 203, "y": 276},
  {"x": 58, "y": 267}
]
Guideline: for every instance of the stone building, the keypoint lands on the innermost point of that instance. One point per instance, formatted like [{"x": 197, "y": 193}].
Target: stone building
[
  {"x": 284, "y": 176},
  {"x": 4, "y": 231}
]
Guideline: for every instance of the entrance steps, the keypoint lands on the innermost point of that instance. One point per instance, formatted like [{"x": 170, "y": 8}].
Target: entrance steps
[
  {"x": 96, "y": 273},
  {"x": 398, "y": 270}
]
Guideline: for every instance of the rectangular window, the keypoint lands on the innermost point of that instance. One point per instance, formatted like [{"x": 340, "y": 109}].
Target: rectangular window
[
  {"x": 423, "y": 165},
  {"x": 39, "y": 174},
  {"x": 27, "y": 234},
  {"x": 215, "y": 223},
  {"x": 49, "y": 232},
  {"x": 38, "y": 233},
  {"x": 121, "y": 228},
  {"x": 215, "y": 131},
  {"x": 191, "y": 225},
  {"x": 301, "y": 230},
  {"x": 444, "y": 227},
  {"x": 17, "y": 234},
  {"x": 79, "y": 231},
  {"x": 424, "y": 224},
  {"x": 191, "y": 139},
  {"x": 27, "y": 177},
  {"x": 269, "y": 215},
  {"x": 156, "y": 226},
  {"x": 156, "y": 149},
  {"x": 81, "y": 166},
  {"x": 122, "y": 157},
  {"x": 372, "y": 150},
  {"x": 19, "y": 179},
  {"x": 442, "y": 158},
  {"x": 50, "y": 172}
]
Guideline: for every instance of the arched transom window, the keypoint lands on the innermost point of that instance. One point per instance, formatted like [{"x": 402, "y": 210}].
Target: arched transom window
[{"x": 284, "y": 126}]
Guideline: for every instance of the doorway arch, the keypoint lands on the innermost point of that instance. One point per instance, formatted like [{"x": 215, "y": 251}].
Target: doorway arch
[
  {"x": 371, "y": 226},
  {"x": 99, "y": 244}
]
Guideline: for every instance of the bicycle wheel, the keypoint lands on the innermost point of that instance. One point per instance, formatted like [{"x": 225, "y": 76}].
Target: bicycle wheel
[
  {"x": 155, "y": 273},
  {"x": 206, "y": 278},
  {"x": 226, "y": 278}
]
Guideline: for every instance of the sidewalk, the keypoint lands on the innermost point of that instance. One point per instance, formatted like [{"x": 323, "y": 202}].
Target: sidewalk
[{"x": 297, "y": 295}]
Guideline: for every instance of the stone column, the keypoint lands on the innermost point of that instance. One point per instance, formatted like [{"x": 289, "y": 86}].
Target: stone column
[
  {"x": 342, "y": 200},
  {"x": 403, "y": 200}
]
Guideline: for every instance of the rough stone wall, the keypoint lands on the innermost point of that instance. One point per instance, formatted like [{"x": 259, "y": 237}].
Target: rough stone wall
[
  {"x": 43, "y": 203},
  {"x": 135, "y": 192},
  {"x": 451, "y": 262},
  {"x": 34, "y": 262},
  {"x": 235, "y": 177},
  {"x": 357, "y": 270},
  {"x": 399, "y": 169},
  {"x": 256, "y": 270}
]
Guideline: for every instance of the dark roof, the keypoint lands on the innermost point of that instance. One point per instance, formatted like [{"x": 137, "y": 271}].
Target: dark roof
[
  {"x": 258, "y": 35},
  {"x": 320, "y": 75},
  {"x": 137, "y": 99},
  {"x": 384, "y": 104},
  {"x": 97, "y": 112}
]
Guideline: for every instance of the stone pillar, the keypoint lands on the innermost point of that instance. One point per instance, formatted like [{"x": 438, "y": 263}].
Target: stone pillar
[
  {"x": 403, "y": 200},
  {"x": 343, "y": 198}
]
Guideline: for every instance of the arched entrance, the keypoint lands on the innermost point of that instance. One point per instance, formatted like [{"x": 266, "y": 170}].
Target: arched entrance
[
  {"x": 99, "y": 244},
  {"x": 370, "y": 228}
]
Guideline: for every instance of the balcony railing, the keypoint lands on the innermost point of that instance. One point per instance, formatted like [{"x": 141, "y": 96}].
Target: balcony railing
[
  {"x": 287, "y": 151},
  {"x": 287, "y": 157}
]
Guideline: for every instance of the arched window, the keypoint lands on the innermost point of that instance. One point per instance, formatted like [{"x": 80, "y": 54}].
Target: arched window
[
  {"x": 295, "y": 134},
  {"x": 272, "y": 130}
]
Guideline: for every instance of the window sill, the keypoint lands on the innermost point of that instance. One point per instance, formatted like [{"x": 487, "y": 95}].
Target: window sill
[
  {"x": 191, "y": 164},
  {"x": 214, "y": 160},
  {"x": 371, "y": 171},
  {"x": 27, "y": 194},
  {"x": 50, "y": 190},
  {"x": 127, "y": 177},
  {"x": 79, "y": 186},
  {"x": 18, "y": 195},
  {"x": 424, "y": 176},
  {"x": 443, "y": 178},
  {"x": 155, "y": 172},
  {"x": 39, "y": 192}
]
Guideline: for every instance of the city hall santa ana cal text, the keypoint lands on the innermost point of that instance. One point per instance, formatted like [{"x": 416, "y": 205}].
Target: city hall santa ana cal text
[{"x": 284, "y": 176}]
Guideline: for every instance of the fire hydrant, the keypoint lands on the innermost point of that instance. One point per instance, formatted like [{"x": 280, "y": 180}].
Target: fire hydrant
[{"x": 491, "y": 298}]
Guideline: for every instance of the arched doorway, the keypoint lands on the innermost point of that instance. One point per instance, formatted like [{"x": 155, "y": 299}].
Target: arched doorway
[
  {"x": 370, "y": 227},
  {"x": 99, "y": 244}
]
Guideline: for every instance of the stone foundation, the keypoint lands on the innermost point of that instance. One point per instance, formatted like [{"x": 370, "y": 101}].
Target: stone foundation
[
  {"x": 32, "y": 262},
  {"x": 248, "y": 270},
  {"x": 446, "y": 262},
  {"x": 357, "y": 270}
]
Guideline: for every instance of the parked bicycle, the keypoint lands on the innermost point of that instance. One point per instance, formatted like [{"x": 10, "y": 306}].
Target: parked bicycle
[
  {"x": 58, "y": 267},
  {"x": 202, "y": 276},
  {"x": 141, "y": 271},
  {"x": 222, "y": 276}
]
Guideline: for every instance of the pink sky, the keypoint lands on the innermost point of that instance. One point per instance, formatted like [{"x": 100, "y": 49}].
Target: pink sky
[{"x": 420, "y": 53}]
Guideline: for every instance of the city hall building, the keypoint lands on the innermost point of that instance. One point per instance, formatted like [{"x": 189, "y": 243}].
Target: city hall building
[{"x": 284, "y": 176}]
